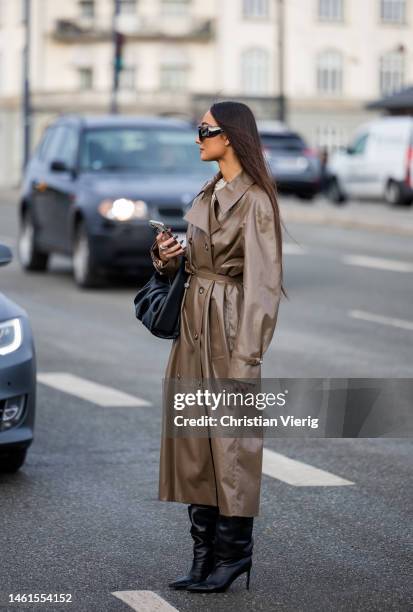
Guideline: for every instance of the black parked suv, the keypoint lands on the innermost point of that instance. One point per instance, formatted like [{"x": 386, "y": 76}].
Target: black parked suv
[
  {"x": 296, "y": 169},
  {"x": 94, "y": 182}
]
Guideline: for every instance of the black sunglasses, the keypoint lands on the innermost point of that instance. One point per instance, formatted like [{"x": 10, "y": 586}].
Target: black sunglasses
[{"x": 208, "y": 131}]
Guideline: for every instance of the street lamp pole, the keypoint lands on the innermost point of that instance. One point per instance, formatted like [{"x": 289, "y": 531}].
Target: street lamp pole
[
  {"x": 115, "y": 73},
  {"x": 282, "y": 111},
  {"x": 26, "y": 101}
]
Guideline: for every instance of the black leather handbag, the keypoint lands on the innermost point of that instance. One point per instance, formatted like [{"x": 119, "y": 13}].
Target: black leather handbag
[{"x": 158, "y": 303}]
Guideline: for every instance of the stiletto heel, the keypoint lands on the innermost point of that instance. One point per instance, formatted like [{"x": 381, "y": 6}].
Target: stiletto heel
[
  {"x": 203, "y": 519},
  {"x": 233, "y": 555}
]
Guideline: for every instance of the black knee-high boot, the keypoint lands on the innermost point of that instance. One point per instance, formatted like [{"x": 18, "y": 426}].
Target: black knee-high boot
[
  {"x": 203, "y": 520},
  {"x": 233, "y": 554}
]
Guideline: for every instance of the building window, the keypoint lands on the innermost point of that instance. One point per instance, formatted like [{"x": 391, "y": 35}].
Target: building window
[
  {"x": 391, "y": 73},
  {"x": 330, "y": 10},
  {"x": 175, "y": 7},
  {"x": 174, "y": 78},
  {"x": 127, "y": 7},
  {"x": 255, "y": 8},
  {"x": 87, "y": 8},
  {"x": 255, "y": 71},
  {"x": 330, "y": 137},
  {"x": 21, "y": 10},
  {"x": 2, "y": 6},
  {"x": 85, "y": 78},
  {"x": 330, "y": 73},
  {"x": 174, "y": 68},
  {"x": 127, "y": 78},
  {"x": 393, "y": 11}
]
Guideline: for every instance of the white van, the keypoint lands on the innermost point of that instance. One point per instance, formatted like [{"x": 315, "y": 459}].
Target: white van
[{"x": 378, "y": 164}]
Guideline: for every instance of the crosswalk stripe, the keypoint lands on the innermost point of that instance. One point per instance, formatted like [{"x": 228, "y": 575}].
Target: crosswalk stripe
[
  {"x": 275, "y": 465},
  {"x": 88, "y": 390},
  {"x": 298, "y": 473},
  {"x": 144, "y": 601},
  {"x": 377, "y": 262},
  {"x": 375, "y": 318}
]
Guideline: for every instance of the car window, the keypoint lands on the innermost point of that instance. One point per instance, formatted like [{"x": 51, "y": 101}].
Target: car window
[
  {"x": 68, "y": 148},
  {"x": 359, "y": 145},
  {"x": 55, "y": 144},
  {"x": 142, "y": 150},
  {"x": 44, "y": 144},
  {"x": 283, "y": 142}
]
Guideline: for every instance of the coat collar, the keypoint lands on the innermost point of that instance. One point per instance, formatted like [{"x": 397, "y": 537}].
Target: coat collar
[{"x": 229, "y": 195}]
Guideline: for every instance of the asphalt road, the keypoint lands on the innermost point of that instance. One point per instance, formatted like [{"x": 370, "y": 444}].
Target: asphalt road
[{"x": 82, "y": 515}]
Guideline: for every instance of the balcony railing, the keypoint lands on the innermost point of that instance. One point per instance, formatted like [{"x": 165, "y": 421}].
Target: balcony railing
[{"x": 140, "y": 28}]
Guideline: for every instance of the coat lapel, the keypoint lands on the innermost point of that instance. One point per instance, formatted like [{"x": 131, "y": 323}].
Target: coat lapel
[
  {"x": 198, "y": 214},
  {"x": 229, "y": 195},
  {"x": 233, "y": 191}
]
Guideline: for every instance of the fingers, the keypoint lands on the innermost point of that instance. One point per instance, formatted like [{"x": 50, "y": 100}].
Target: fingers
[
  {"x": 173, "y": 251},
  {"x": 170, "y": 246},
  {"x": 165, "y": 238},
  {"x": 169, "y": 242},
  {"x": 161, "y": 237}
]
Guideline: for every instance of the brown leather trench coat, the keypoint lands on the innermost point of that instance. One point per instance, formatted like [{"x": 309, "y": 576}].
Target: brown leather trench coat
[{"x": 228, "y": 317}]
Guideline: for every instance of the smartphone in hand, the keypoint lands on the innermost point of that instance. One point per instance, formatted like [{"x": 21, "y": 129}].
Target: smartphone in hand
[{"x": 159, "y": 226}]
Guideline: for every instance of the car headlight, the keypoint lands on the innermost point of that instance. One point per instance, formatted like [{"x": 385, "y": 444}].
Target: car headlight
[
  {"x": 10, "y": 336},
  {"x": 123, "y": 209},
  {"x": 302, "y": 163}
]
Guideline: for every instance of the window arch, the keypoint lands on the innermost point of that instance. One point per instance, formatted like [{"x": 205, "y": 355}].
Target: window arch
[
  {"x": 330, "y": 72},
  {"x": 255, "y": 71},
  {"x": 391, "y": 72}
]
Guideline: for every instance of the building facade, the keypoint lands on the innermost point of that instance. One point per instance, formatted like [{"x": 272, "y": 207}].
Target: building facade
[{"x": 179, "y": 55}]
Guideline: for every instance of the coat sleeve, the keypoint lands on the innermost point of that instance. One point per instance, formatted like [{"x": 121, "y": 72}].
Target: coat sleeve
[
  {"x": 170, "y": 267},
  {"x": 262, "y": 291}
]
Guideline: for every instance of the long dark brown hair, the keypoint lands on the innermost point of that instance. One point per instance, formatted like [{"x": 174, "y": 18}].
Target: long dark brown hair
[{"x": 238, "y": 122}]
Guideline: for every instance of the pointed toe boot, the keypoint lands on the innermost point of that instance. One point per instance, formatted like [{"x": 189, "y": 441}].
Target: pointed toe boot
[
  {"x": 233, "y": 554},
  {"x": 203, "y": 521}
]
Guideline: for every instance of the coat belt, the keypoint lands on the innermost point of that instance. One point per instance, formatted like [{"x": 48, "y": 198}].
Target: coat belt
[{"x": 217, "y": 277}]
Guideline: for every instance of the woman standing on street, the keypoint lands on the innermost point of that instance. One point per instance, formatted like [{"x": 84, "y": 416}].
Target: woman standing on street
[{"x": 228, "y": 317}]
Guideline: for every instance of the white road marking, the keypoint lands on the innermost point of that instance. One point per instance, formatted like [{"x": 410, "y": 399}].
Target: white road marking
[
  {"x": 378, "y": 262},
  {"x": 298, "y": 473},
  {"x": 144, "y": 601},
  {"x": 289, "y": 248},
  {"x": 370, "y": 316},
  {"x": 88, "y": 390}
]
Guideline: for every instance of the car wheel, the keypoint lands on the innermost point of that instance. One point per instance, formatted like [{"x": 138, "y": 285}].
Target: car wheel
[
  {"x": 85, "y": 271},
  {"x": 394, "y": 194},
  {"x": 333, "y": 191},
  {"x": 29, "y": 256},
  {"x": 13, "y": 461}
]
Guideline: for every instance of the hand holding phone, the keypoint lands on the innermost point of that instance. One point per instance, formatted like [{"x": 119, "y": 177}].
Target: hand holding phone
[{"x": 168, "y": 245}]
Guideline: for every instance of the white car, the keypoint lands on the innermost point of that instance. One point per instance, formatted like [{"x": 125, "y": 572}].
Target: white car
[{"x": 378, "y": 164}]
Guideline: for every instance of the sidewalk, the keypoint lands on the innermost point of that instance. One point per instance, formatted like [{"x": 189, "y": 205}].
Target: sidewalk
[{"x": 374, "y": 216}]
